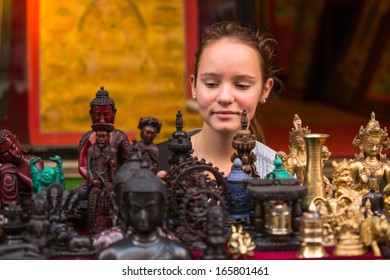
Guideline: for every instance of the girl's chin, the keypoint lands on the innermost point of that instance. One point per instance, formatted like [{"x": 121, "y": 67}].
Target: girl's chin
[{"x": 226, "y": 128}]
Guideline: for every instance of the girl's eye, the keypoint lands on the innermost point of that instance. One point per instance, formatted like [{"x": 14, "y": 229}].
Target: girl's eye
[
  {"x": 242, "y": 86},
  {"x": 211, "y": 85}
]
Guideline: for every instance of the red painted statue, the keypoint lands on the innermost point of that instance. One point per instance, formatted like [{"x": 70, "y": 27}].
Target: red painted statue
[
  {"x": 15, "y": 173},
  {"x": 101, "y": 170},
  {"x": 102, "y": 110}
]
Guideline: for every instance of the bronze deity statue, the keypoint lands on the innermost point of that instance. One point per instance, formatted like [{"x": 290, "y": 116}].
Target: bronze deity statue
[
  {"x": 349, "y": 241},
  {"x": 295, "y": 162},
  {"x": 142, "y": 201},
  {"x": 342, "y": 181},
  {"x": 371, "y": 141}
]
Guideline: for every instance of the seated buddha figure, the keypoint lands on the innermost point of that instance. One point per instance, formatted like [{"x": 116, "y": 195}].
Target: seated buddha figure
[
  {"x": 371, "y": 141},
  {"x": 15, "y": 172},
  {"x": 141, "y": 199}
]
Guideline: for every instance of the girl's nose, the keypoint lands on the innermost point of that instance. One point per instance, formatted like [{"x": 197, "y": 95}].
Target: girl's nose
[{"x": 226, "y": 95}]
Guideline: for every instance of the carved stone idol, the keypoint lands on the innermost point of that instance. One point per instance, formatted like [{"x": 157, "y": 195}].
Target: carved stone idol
[
  {"x": 101, "y": 169},
  {"x": 149, "y": 152},
  {"x": 142, "y": 201},
  {"x": 216, "y": 235}
]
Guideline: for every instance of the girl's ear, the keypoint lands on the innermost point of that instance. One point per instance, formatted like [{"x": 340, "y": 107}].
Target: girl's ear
[{"x": 266, "y": 90}]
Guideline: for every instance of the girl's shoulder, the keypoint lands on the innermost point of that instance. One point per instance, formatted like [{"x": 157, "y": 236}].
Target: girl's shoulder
[{"x": 263, "y": 151}]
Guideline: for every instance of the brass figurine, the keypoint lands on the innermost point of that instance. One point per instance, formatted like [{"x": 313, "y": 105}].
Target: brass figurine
[
  {"x": 332, "y": 212},
  {"x": 386, "y": 197},
  {"x": 240, "y": 244},
  {"x": 375, "y": 232},
  {"x": 342, "y": 180},
  {"x": 311, "y": 234},
  {"x": 295, "y": 162},
  {"x": 371, "y": 141},
  {"x": 349, "y": 242}
]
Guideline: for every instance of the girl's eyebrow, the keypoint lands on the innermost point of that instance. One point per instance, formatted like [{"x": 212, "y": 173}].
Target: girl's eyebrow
[
  {"x": 238, "y": 77},
  {"x": 245, "y": 77},
  {"x": 209, "y": 75}
]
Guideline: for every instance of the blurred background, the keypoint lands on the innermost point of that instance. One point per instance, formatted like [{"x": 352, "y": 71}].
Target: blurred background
[{"x": 55, "y": 55}]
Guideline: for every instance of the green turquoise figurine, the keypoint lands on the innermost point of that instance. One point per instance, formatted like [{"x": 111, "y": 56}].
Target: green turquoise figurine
[
  {"x": 43, "y": 178},
  {"x": 279, "y": 172}
]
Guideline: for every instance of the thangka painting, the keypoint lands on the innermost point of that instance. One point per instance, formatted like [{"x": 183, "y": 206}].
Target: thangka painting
[{"x": 140, "y": 51}]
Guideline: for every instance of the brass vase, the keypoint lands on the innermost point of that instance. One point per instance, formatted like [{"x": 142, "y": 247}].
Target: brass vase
[{"x": 314, "y": 178}]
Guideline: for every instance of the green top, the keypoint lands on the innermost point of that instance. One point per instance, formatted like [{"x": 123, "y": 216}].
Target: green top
[{"x": 279, "y": 172}]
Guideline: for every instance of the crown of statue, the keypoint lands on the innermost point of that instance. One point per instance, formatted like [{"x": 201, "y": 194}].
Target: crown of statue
[
  {"x": 298, "y": 130},
  {"x": 372, "y": 129},
  {"x": 102, "y": 98}
]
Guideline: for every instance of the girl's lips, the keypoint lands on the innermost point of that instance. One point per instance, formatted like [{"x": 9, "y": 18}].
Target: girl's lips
[
  {"x": 223, "y": 112},
  {"x": 226, "y": 114}
]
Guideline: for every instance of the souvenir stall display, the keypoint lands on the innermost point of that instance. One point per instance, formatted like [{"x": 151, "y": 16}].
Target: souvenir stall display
[{"x": 196, "y": 211}]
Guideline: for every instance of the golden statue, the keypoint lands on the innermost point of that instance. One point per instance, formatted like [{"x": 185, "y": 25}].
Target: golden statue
[
  {"x": 332, "y": 212},
  {"x": 342, "y": 181},
  {"x": 371, "y": 141},
  {"x": 386, "y": 197},
  {"x": 240, "y": 243},
  {"x": 375, "y": 230},
  {"x": 295, "y": 162},
  {"x": 349, "y": 242}
]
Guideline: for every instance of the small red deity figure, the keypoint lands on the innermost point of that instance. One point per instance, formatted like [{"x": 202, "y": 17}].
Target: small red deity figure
[
  {"x": 148, "y": 151},
  {"x": 101, "y": 169},
  {"x": 15, "y": 172},
  {"x": 102, "y": 110}
]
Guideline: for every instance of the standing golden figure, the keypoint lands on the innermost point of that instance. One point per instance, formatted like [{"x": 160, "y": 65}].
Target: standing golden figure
[{"x": 295, "y": 162}]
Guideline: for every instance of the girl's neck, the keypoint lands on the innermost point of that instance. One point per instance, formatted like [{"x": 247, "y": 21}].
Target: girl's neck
[{"x": 215, "y": 147}]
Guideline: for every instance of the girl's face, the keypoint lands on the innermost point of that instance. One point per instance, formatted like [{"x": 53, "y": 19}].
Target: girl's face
[{"x": 229, "y": 80}]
